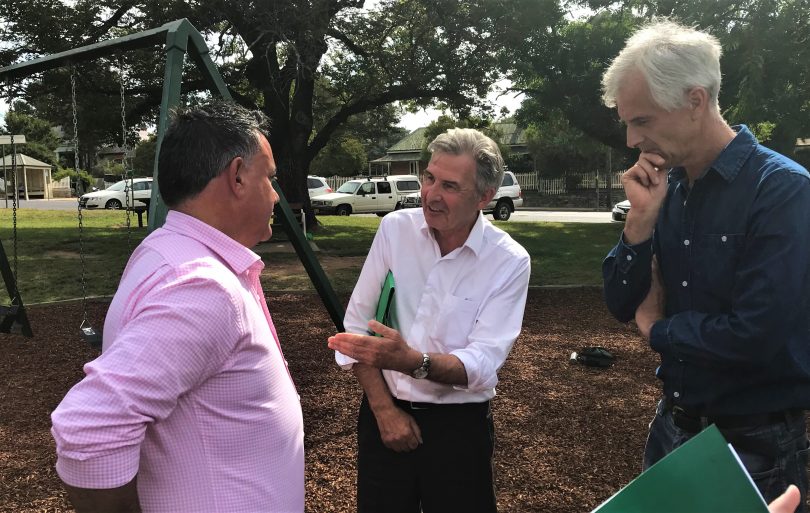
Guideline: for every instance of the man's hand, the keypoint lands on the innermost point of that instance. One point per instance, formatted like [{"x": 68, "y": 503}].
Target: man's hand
[
  {"x": 645, "y": 185},
  {"x": 652, "y": 308},
  {"x": 787, "y": 502},
  {"x": 398, "y": 430},
  {"x": 389, "y": 351}
]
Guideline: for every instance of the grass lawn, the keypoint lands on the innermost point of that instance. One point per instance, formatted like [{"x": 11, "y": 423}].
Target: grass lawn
[{"x": 50, "y": 268}]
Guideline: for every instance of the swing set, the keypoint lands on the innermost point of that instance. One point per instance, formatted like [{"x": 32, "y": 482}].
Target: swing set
[{"x": 178, "y": 38}]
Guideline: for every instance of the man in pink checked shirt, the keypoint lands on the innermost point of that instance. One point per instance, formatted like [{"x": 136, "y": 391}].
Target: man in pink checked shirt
[{"x": 190, "y": 407}]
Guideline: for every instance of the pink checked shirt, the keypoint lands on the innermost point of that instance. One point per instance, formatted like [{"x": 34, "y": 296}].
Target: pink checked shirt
[{"x": 191, "y": 392}]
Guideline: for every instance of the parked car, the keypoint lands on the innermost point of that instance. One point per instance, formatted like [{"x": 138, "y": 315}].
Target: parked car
[
  {"x": 317, "y": 185},
  {"x": 114, "y": 196},
  {"x": 367, "y": 195},
  {"x": 508, "y": 197},
  {"x": 620, "y": 211}
]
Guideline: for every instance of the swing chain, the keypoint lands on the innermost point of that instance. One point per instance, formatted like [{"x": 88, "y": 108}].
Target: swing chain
[
  {"x": 125, "y": 160},
  {"x": 78, "y": 181},
  {"x": 14, "y": 194}
]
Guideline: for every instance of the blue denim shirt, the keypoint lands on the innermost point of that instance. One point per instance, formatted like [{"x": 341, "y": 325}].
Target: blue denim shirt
[{"x": 734, "y": 254}]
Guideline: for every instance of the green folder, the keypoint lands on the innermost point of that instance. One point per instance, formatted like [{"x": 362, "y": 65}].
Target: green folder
[
  {"x": 704, "y": 475},
  {"x": 383, "y": 314}
]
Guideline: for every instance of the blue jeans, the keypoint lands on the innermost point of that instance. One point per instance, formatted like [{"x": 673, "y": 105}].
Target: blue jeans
[{"x": 775, "y": 455}]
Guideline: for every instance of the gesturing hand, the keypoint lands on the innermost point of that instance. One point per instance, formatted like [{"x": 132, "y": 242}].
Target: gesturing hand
[{"x": 388, "y": 351}]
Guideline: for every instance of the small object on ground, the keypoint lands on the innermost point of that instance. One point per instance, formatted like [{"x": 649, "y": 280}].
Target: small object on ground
[{"x": 595, "y": 356}]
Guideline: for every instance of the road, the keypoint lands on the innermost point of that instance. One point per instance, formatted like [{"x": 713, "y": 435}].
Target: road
[
  {"x": 39, "y": 204},
  {"x": 520, "y": 216}
]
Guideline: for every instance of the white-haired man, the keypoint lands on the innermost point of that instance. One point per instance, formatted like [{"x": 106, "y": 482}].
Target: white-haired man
[
  {"x": 425, "y": 431},
  {"x": 714, "y": 261}
]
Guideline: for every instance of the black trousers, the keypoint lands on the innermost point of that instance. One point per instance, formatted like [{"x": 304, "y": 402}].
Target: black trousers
[{"x": 450, "y": 472}]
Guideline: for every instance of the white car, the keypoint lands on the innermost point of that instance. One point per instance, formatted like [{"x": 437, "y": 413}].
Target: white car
[
  {"x": 367, "y": 195},
  {"x": 317, "y": 185},
  {"x": 114, "y": 197},
  {"x": 502, "y": 205},
  {"x": 620, "y": 211}
]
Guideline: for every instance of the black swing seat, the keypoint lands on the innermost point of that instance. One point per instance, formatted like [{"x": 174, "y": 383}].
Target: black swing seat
[{"x": 92, "y": 337}]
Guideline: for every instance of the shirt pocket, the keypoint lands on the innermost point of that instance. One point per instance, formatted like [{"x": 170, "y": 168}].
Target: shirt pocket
[
  {"x": 454, "y": 323},
  {"x": 716, "y": 259}
]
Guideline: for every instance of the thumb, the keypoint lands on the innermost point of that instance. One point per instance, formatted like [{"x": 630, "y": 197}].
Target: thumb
[
  {"x": 382, "y": 329},
  {"x": 787, "y": 502}
]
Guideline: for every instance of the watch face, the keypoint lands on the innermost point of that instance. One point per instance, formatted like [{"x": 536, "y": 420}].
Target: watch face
[{"x": 420, "y": 373}]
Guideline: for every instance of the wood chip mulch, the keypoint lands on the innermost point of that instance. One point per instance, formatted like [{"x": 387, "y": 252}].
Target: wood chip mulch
[{"x": 568, "y": 436}]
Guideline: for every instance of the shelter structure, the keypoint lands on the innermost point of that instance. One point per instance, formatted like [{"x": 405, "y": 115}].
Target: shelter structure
[{"x": 34, "y": 178}]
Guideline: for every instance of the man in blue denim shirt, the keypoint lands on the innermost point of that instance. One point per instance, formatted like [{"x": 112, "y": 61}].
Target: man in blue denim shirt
[{"x": 714, "y": 261}]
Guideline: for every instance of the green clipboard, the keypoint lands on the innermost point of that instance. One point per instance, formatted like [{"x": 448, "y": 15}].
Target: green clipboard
[
  {"x": 383, "y": 314},
  {"x": 704, "y": 475}
]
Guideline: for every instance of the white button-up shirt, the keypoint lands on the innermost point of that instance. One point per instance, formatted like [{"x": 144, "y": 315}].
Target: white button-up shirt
[{"x": 468, "y": 303}]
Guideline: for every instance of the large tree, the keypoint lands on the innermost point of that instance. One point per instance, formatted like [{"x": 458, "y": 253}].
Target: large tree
[
  {"x": 766, "y": 64},
  {"x": 272, "y": 53}
]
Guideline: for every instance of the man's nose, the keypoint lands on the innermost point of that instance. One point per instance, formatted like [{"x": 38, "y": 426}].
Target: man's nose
[{"x": 633, "y": 137}]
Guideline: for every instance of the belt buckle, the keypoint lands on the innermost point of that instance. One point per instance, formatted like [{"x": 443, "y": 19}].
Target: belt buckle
[{"x": 413, "y": 405}]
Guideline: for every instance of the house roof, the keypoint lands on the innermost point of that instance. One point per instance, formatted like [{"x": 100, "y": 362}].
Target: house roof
[
  {"x": 24, "y": 161},
  {"x": 411, "y": 142}
]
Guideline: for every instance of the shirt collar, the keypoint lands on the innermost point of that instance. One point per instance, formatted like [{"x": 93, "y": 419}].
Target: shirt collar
[
  {"x": 237, "y": 256},
  {"x": 729, "y": 162},
  {"x": 474, "y": 240}
]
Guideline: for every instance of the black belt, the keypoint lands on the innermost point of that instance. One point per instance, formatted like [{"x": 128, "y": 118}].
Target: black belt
[
  {"x": 693, "y": 422},
  {"x": 413, "y": 405}
]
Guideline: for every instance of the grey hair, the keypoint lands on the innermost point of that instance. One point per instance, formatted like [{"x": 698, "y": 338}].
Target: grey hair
[
  {"x": 200, "y": 142},
  {"x": 489, "y": 166},
  {"x": 673, "y": 58}
]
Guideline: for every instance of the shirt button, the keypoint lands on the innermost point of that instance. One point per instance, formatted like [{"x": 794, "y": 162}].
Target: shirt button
[
  {"x": 684, "y": 283},
  {"x": 686, "y": 242},
  {"x": 676, "y": 394},
  {"x": 624, "y": 282},
  {"x": 629, "y": 257},
  {"x": 724, "y": 238}
]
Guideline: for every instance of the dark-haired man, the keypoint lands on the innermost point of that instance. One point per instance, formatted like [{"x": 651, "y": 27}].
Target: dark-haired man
[{"x": 191, "y": 407}]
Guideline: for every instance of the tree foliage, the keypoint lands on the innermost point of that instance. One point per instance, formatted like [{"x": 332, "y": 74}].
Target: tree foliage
[
  {"x": 765, "y": 64},
  {"x": 272, "y": 55},
  {"x": 41, "y": 141}
]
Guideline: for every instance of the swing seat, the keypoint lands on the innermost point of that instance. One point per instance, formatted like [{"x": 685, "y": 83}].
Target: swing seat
[{"x": 92, "y": 337}]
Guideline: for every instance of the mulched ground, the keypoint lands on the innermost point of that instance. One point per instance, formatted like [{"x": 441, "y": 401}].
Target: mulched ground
[{"x": 568, "y": 436}]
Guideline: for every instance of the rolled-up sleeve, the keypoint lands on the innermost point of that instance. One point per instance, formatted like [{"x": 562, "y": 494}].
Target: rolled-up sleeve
[
  {"x": 363, "y": 303},
  {"x": 496, "y": 329},
  {"x": 172, "y": 345}
]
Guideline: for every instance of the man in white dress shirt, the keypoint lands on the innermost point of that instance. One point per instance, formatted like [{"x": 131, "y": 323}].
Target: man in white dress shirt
[{"x": 425, "y": 431}]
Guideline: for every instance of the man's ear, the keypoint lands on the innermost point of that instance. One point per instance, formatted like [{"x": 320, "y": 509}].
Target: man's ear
[
  {"x": 698, "y": 99},
  {"x": 234, "y": 175},
  {"x": 486, "y": 198}
]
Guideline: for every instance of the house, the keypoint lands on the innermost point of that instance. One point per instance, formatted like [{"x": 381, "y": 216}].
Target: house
[{"x": 403, "y": 158}]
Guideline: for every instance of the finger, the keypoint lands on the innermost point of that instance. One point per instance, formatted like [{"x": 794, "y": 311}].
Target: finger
[
  {"x": 416, "y": 431},
  {"x": 653, "y": 158},
  {"x": 382, "y": 329},
  {"x": 650, "y": 170}
]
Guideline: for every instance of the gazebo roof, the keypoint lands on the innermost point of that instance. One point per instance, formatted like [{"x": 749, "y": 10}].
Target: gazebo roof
[{"x": 24, "y": 161}]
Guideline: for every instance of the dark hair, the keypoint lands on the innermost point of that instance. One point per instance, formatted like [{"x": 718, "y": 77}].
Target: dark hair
[{"x": 199, "y": 143}]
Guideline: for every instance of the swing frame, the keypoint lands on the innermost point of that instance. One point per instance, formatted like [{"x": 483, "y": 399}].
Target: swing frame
[{"x": 179, "y": 38}]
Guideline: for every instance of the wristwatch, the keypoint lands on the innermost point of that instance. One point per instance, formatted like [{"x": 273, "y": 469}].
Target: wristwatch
[{"x": 421, "y": 372}]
